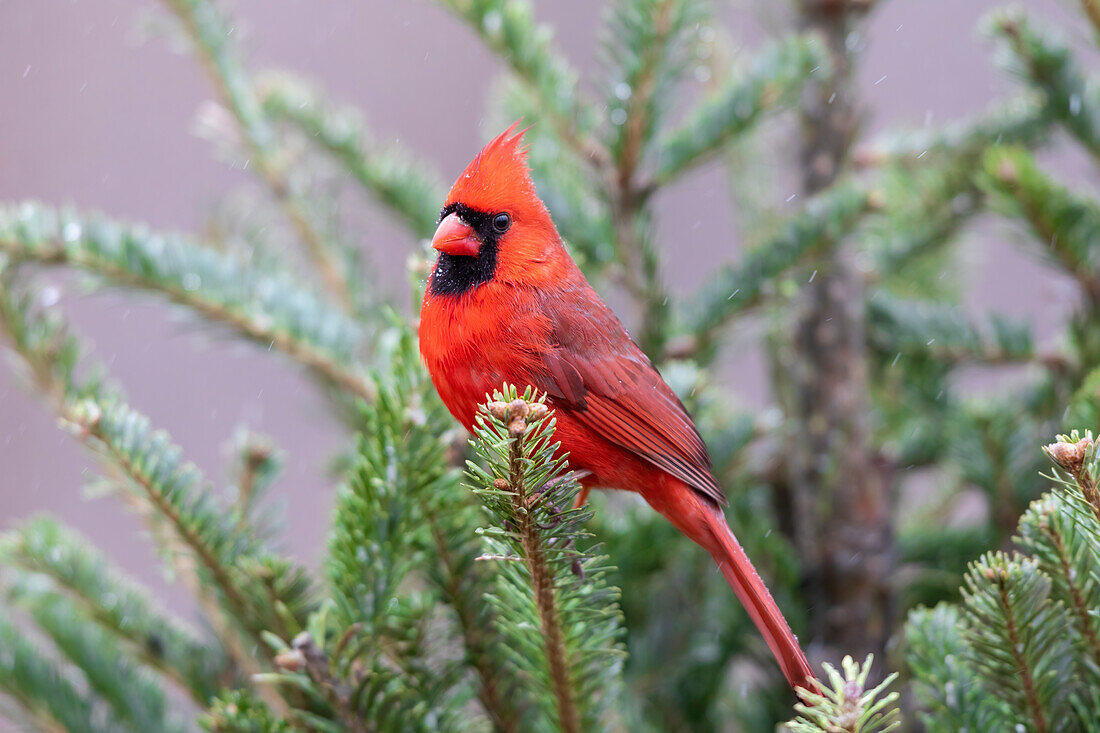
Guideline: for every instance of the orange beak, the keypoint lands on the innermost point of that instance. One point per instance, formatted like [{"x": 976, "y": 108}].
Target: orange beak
[{"x": 456, "y": 237}]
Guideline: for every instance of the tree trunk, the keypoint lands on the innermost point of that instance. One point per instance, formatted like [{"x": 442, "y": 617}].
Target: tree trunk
[{"x": 839, "y": 485}]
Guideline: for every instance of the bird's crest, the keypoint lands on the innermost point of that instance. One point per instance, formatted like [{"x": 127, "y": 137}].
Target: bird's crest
[{"x": 498, "y": 179}]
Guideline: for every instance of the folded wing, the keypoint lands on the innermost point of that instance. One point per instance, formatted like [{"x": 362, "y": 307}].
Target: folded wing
[{"x": 593, "y": 369}]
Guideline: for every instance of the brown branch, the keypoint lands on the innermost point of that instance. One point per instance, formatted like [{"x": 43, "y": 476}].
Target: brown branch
[
  {"x": 1092, "y": 10},
  {"x": 1080, "y": 608},
  {"x": 542, "y": 581},
  {"x": 1026, "y": 678}
]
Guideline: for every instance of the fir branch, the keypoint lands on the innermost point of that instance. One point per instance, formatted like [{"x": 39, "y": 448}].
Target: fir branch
[
  {"x": 1050, "y": 530},
  {"x": 172, "y": 493},
  {"x": 256, "y": 464},
  {"x": 42, "y": 690},
  {"x": 238, "y": 711},
  {"x": 1046, "y": 62},
  {"x": 943, "y": 681},
  {"x": 1092, "y": 12},
  {"x": 133, "y": 696},
  {"x": 542, "y": 579},
  {"x": 648, "y": 44},
  {"x": 269, "y": 309},
  {"x": 944, "y": 332},
  {"x": 1016, "y": 634},
  {"x": 576, "y": 198},
  {"x": 42, "y": 338},
  {"x": 1077, "y": 454},
  {"x": 846, "y": 706},
  {"x": 118, "y": 606},
  {"x": 390, "y": 174},
  {"x": 156, "y": 482},
  {"x": 1018, "y": 120},
  {"x": 212, "y": 36},
  {"x": 383, "y": 520},
  {"x": 1067, "y": 225},
  {"x": 398, "y": 464},
  {"x": 774, "y": 81},
  {"x": 929, "y": 183},
  {"x": 560, "y": 620},
  {"x": 473, "y": 622},
  {"x": 825, "y": 220},
  {"x": 257, "y": 590},
  {"x": 509, "y": 29}
]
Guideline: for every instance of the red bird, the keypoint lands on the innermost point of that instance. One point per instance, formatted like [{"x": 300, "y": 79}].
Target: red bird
[{"x": 506, "y": 303}]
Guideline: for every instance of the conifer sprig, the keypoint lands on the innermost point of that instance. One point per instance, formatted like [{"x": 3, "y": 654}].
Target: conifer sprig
[
  {"x": 1047, "y": 63},
  {"x": 648, "y": 43},
  {"x": 48, "y": 550},
  {"x": 944, "y": 682},
  {"x": 509, "y": 28},
  {"x": 268, "y": 308},
  {"x": 945, "y": 332},
  {"x": 846, "y": 705},
  {"x": 1066, "y": 224},
  {"x": 774, "y": 80},
  {"x": 45, "y": 693},
  {"x": 556, "y": 612},
  {"x": 823, "y": 223},
  {"x": 214, "y": 44},
  {"x": 1021, "y": 648},
  {"x": 134, "y": 697},
  {"x": 387, "y": 172}
]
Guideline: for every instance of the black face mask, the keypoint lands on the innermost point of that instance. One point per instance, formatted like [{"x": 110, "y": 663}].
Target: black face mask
[{"x": 456, "y": 274}]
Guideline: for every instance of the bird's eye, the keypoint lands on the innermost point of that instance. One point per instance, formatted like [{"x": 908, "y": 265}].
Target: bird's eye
[{"x": 501, "y": 222}]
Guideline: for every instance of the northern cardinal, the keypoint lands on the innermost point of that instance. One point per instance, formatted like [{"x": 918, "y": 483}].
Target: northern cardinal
[{"x": 506, "y": 303}]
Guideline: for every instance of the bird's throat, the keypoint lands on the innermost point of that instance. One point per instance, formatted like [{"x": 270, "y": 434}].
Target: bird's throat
[{"x": 456, "y": 274}]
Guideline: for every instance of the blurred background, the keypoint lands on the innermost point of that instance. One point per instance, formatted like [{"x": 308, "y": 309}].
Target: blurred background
[{"x": 100, "y": 113}]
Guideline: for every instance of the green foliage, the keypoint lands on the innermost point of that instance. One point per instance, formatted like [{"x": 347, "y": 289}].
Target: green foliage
[
  {"x": 134, "y": 696},
  {"x": 1047, "y": 63},
  {"x": 1068, "y": 224},
  {"x": 823, "y": 222},
  {"x": 556, "y": 613},
  {"x": 944, "y": 331},
  {"x": 44, "y": 549},
  {"x": 269, "y": 308},
  {"x": 942, "y": 679},
  {"x": 388, "y": 173},
  {"x": 1021, "y": 647},
  {"x": 508, "y": 27},
  {"x": 773, "y": 82},
  {"x": 238, "y": 711},
  {"x": 846, "y": 704},
  {"x": 649, "y": 44},
  {"x": 46, "y": 694}
]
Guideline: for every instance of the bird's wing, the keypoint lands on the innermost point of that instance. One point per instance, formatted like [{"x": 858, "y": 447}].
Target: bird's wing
[{"x": 594, "y": 370}]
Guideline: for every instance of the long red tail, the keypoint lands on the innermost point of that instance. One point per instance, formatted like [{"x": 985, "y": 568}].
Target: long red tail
[{"x": 754, "y": 596}]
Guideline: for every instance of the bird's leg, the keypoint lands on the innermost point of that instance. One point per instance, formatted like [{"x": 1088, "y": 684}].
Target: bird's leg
[{"x": 582, "y": 497}]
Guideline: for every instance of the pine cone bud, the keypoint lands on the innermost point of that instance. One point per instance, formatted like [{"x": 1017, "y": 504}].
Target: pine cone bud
[
  {"x": 537, "y": 410},
  {"x": 500, "y": 484},
  {"x": 499, "y": 410},
  {"x": 291, "y": 660},
  {"x": 1070, "y": 456}
]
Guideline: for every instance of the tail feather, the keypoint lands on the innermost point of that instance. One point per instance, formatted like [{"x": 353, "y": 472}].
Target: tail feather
[{"x": 757, "y": 600}]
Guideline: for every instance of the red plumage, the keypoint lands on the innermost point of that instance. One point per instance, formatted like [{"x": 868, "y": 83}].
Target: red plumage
[{"x": 506, "y": 303}]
